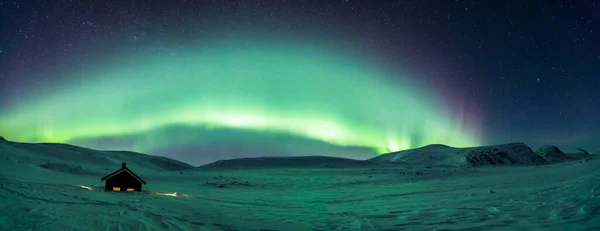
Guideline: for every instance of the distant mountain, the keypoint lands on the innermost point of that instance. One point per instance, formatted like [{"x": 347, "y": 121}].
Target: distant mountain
[
  {"x": 578, "y": 153},
  {"x": 507, "y": 154},
  {"x": 64, "y": 157},
  {"x": 435, "y": 154},
  {"x": 69, "y": 158},
  {"x": 290, "y": 162},
  {"x": 552, "y": 154}
]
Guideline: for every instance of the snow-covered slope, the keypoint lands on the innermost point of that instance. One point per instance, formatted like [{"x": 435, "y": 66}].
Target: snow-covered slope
[
  {"x": 435, "y": 154},
  {"x": 506, "y": 154},
  {"x": 57, "y": 156},
  {"x": 35, "y": 195}
]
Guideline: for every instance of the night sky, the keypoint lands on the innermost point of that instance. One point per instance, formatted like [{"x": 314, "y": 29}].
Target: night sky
[{"x": 206, "y": 80}]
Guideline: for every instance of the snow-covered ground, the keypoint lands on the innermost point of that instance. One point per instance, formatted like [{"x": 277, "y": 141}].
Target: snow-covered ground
[{"x": 40, "y": 189}]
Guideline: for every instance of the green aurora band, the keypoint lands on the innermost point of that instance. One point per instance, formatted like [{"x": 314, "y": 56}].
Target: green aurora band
[{"x": 324, "y": 94}]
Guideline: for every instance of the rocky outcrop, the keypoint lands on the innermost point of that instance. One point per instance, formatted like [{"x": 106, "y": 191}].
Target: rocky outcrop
[
  {"x": 507, "y": 154},
  {"x": 552, "y": 154}
]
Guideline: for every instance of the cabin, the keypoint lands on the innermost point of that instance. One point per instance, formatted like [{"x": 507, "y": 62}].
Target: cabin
[{"x": 123, "y": 180}]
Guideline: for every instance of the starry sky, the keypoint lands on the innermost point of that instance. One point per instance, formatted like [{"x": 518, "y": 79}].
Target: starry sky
[{"x": 201, "y": 81}]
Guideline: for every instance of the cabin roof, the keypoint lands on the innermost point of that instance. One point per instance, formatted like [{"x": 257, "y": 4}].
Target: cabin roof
[{"x": 123, "y": 169}]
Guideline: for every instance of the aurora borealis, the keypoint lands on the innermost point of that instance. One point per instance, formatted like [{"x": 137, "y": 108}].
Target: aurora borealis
[
  {"x": 306, "y": 91},
  {"x": 223, "y": 79}
]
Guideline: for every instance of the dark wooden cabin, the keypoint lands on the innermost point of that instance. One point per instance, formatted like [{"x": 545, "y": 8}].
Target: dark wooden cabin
[{"x": 123, "y": 180}]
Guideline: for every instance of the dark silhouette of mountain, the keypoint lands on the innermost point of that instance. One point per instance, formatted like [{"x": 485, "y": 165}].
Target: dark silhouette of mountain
[{"x": 552, "y": 154}]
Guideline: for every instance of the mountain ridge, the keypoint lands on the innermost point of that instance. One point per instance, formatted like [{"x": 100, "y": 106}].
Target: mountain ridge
[{"x": 429, "y": 155}]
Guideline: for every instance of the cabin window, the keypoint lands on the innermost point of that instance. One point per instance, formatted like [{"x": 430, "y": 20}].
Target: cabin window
[
  {"x": 116, "y": 189},
  {"x": 129, "y": 190}
]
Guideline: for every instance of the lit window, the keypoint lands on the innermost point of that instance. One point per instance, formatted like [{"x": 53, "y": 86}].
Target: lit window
[
  {"x": 129, "y": 190},
  {"x": 116, "y": 189}
]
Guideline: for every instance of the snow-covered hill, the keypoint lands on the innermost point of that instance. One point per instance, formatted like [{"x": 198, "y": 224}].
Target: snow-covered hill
[
  {"x": 441, "y": 155},
  {"x": 41, "y": 189},
  {"x": 290, "y": 162},
  {"x": 50, "y": 155}
]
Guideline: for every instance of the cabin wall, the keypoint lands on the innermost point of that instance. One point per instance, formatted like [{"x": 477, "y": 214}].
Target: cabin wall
[{"x": 123, "y": 180}]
